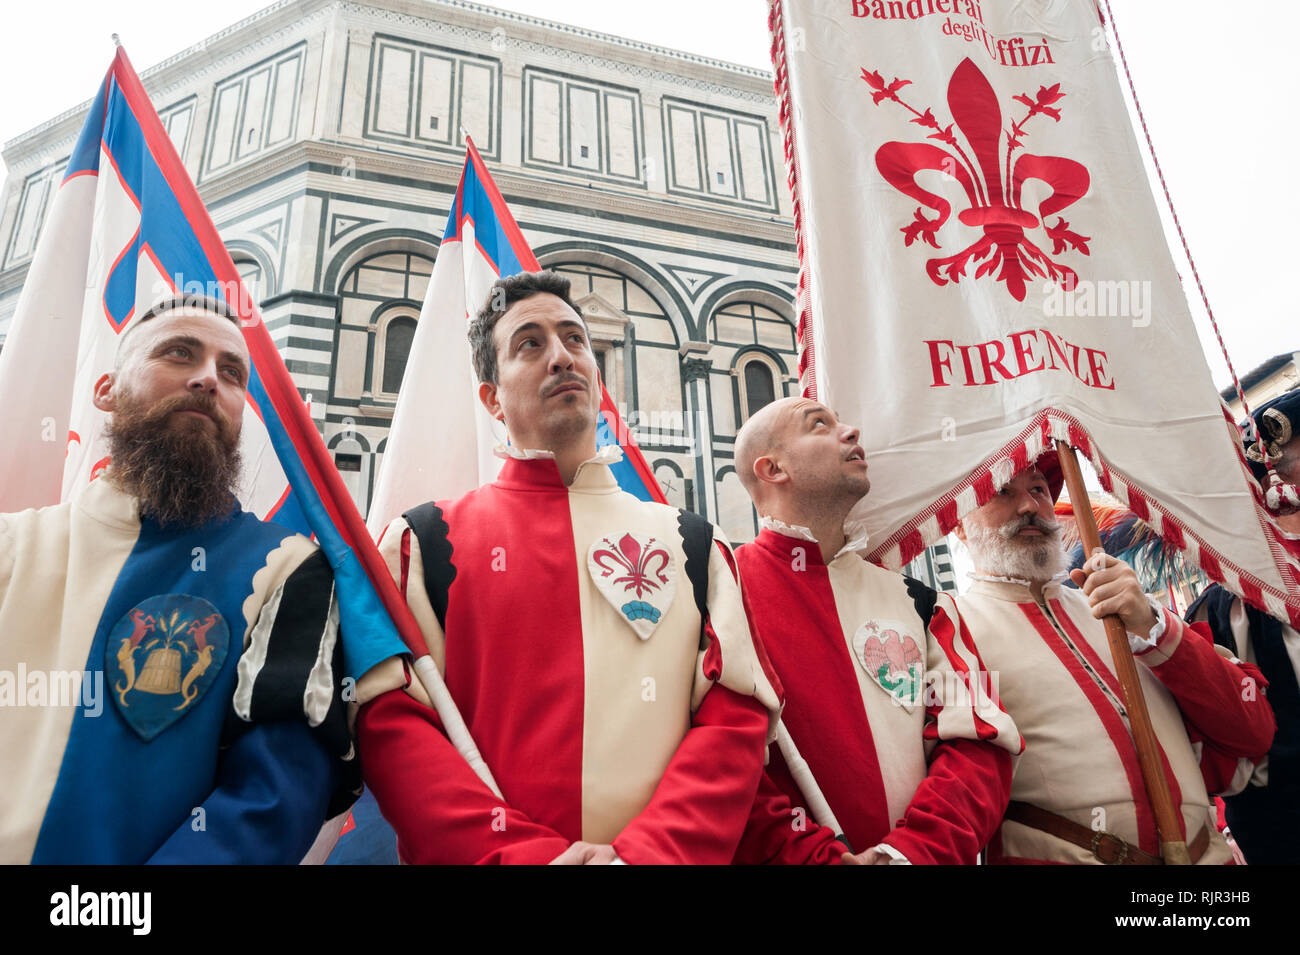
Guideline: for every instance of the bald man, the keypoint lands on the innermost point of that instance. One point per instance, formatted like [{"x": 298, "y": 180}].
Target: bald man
[
  {"x": 892, "y": 737},
  {"x": 169, "y": 668}
]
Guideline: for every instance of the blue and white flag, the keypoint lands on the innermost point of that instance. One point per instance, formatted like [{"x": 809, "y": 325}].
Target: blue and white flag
[{"x": 126, "y": 230}]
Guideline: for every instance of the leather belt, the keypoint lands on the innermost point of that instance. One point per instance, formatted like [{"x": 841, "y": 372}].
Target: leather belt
[{"x": 1108, "y": 848}]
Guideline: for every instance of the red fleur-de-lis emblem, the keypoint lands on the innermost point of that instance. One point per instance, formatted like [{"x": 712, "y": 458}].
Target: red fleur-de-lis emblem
[
  {"x": 637, "y": 575},
  {"x": 992, "y": 177},
  {"x": 641, "y": 569}
]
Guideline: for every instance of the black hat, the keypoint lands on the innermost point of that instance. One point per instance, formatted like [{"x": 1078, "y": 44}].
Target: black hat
[{"x": 1275, "y": 422}]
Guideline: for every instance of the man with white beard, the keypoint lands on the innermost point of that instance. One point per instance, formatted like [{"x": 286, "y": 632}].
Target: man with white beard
[{"x": 1077, "y": 795}]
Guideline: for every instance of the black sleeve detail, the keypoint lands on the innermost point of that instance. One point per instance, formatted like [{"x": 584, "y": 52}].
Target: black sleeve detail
[
  {"x": 291, "y": 652},
  {"x": 294, "y": 641},
  {"x": 923, "y": 599},
  {"x": 697, "y": 538},
  {"x": 1218, "y": 604},
  {"x": 337, "y": 739},
  {"x": 844, "y": 841},
  {"x": 431, "y": 530}
]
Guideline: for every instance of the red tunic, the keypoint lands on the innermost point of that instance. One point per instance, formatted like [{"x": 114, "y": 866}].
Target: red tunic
[
  {"x": 852, "y": 645},
  {"x": 612, "y": 689}
]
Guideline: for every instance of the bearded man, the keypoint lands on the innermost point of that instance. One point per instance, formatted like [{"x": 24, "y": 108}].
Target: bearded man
[
  {"x": 194, "y": 645},
  {"x": 1077, "y": 795},
  {"x": 596, "y": 644},
  {"x": 893, "y": 737}
]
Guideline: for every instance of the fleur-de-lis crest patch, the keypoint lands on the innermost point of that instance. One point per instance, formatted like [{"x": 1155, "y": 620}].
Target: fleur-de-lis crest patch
[
  {"x": 892, "y": 659},
  {"x": 637, "y": 575}
]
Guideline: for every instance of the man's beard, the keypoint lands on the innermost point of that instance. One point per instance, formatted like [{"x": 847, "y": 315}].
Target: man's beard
[
  {"x": 184, "y": 471},
  {"x": 998, "y": 551}
]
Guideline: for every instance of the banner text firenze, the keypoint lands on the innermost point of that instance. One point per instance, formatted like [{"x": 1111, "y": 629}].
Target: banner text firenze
[
  {"x": 1019, "y": 354},
  {"x": 1008, "y": 51}
]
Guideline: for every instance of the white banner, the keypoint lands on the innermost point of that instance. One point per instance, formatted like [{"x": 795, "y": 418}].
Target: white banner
[{"x": 983, "y": 270}]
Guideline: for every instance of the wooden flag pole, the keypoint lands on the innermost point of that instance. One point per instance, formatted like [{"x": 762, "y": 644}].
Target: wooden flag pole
[{"x": 1173, "y": 849}]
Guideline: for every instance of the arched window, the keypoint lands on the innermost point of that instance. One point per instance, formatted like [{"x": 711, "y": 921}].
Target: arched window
[
  {"x": 379, "y": 302},
  {"x": 758, "y": 382},
  {"x": 250, "y": 273},
  {"x": 760, "y": 389},
  {"x": 398, "y": 335}
]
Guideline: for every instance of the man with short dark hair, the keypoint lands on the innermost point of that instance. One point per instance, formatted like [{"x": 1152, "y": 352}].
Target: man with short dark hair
[
  {"x": 207, "y": 723},
  {"x": 597, "y": 645},
  {"x": 1078, "y": 795}
]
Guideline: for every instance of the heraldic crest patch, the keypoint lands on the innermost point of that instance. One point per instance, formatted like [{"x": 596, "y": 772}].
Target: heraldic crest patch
[
  {"x": 637, "y": 575},
  {"x": 891, "y": 657},
  {"x": 161, "y": 657}
]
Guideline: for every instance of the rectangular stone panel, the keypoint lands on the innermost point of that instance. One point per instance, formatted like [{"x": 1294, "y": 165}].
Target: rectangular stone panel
[
  {"x": 751, "y": 144},
  {"x": 392, "y": 108},
  {"x": 350, "y": 370},
  {"x": 251, "y": 127},
  {"x": 584, "y": 128},
  {"x": 621, "y": 138},
  {"x": 774, "y": 335},
  {"x": 659, "y": 383},
  {"x": 723, "y": 402},
  {"x": 177, "y": 123},
  {"x": 477, "y": 102},
  {"x": 654, "y": 330},
  {"x": 284, "y": 101},
  {"x": 437, "y": 111},
  {"x": 733, "y": 328},
  {"x": 683, "y": 135},
  {"x": 717, "y": 153},
  {"x": 544, "y": 120},
  {"x": 35, "y": 192},
  {"x": 225, "y": 112}
]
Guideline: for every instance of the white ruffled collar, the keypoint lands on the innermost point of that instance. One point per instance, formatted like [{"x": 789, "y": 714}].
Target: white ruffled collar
[
  {"x": 609, "y": 454},
  {"x": 853, "y": 544}
]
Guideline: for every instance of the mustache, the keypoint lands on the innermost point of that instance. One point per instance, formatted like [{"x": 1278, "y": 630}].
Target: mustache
[
  {"x": 569, "y": 378},
  {"x": 201, "y": 402},
  {"x": 1050, "y": 527}
]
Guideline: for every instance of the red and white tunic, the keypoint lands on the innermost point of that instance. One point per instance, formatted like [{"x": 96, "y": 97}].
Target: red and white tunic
[
  {"x": 884, "y": 705},
  {"x": 1056, "y": 678},
  {"x": 598, "y": 649}
]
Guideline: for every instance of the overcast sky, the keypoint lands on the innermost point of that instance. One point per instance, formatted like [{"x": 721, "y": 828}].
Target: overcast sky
[{"x": 1217, "y": 91}]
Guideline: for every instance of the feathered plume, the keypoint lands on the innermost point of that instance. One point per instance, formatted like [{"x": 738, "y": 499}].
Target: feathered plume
[{"x": 1134, "y": 541}]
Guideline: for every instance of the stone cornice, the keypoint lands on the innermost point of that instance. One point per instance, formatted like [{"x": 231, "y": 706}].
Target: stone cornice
[
  {"x": 554, "y": 32},
  {"x": 515, "y": 184}
]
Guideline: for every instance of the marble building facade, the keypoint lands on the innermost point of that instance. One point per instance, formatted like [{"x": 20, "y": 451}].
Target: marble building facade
[{"x": 326, "y": 139}]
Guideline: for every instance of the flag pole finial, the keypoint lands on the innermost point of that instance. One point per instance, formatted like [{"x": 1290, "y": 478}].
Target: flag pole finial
[{"x": 117, "y": 41}]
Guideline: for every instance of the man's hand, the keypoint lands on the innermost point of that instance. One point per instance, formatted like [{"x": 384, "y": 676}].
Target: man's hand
[
  {"x": 866, "y": 857},
  {"x": 585, "y": 853},
  {"x": 1113, "y": 588}
]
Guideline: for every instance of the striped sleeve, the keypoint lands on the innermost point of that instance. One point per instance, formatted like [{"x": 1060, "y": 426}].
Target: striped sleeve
[
  {"x": 961, "y": 694},
  {"x": 292, "y": 665}
]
